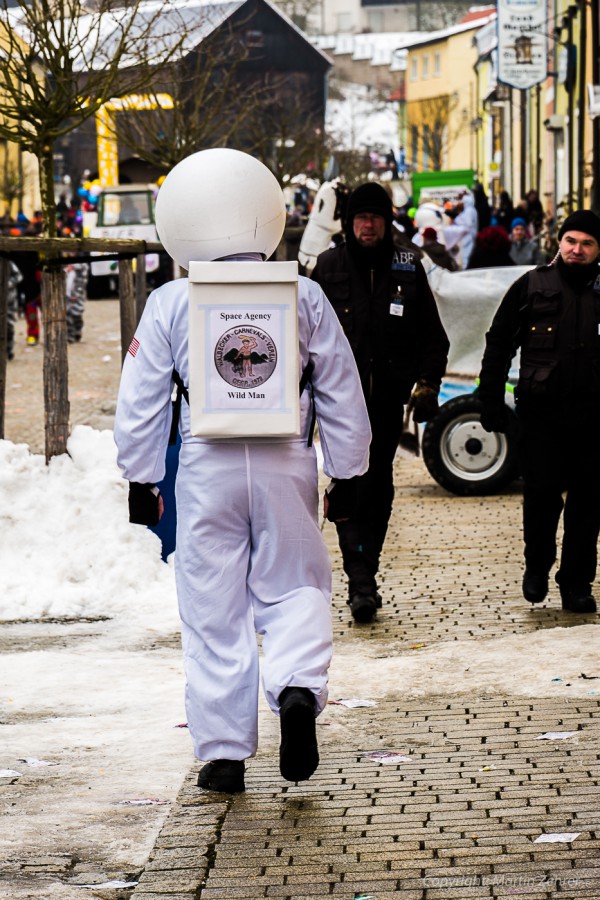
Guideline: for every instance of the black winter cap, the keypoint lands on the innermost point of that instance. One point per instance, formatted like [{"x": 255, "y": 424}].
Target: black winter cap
[
  {"x": 582, "y": 220},
  {"x": 372, "y": 198}
]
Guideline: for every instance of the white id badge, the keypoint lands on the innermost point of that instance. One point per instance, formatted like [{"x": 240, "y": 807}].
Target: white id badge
[{"x": 396, "y": 309}]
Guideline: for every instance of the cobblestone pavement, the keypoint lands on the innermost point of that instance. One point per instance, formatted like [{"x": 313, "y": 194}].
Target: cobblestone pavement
[
  {"x": 458, "y": 816},
  {"x": 94, "y": 367}
]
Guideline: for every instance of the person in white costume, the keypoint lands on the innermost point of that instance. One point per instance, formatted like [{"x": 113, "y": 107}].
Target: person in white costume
[{"x": 250, "y": 555}]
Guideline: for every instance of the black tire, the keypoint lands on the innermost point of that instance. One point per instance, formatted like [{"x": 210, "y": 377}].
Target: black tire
[{"x": 462, "y": 457}]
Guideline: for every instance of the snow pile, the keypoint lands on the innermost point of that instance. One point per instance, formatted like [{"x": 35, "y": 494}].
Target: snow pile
[{"x": 67, "y": 546}]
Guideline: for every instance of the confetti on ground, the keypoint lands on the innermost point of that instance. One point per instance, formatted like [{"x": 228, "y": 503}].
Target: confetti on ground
[
  {"x": 147, "y": 801},
  {"x": 487, "y": 768},
  {"x": 10, "y": 773},
  {"x": 555, "y": 735},
  {"x": 183, "y": 725},
  {"x": 352, "y": 703},
  {"x": 386, "y": 757},
  {"x": 558, "y": 838},
  {"x": 35, "y": 763},
  {"x": 417, "y": 646}
]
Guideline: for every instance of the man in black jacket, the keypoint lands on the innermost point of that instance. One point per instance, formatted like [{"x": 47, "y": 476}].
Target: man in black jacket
[
  {"x": 553, "y": 314},
  {"x": 383, "y": 300}
]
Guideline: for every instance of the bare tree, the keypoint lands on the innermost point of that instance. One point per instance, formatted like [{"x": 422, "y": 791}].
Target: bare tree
[
  {"x": 59, "y": 62},
  {"x": 12, "y": 181},
  {"x": 300, "y": 11},
  {"x": 210, "y": 102},
  {"x": 431, "y": 15},
  {"x": 434, "y": 119},
  {"x": 284, "y": 137}
]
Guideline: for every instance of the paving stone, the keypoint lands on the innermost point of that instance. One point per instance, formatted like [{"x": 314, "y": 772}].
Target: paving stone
[{"x": 399, "y": 831}]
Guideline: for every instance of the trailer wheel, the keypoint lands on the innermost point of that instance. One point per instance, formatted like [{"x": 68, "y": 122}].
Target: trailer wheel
[{"x": 462, "y": 457}]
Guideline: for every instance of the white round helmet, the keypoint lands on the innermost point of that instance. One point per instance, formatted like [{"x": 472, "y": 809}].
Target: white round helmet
[
  {"x": 428, "y": 215},
  {"x": 217, "y": 203}
]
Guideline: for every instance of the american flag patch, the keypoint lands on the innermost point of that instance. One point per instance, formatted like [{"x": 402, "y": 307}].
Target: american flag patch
[{"x": 134, "y": 346}]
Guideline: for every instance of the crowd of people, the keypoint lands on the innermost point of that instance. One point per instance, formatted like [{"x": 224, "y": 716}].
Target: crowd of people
[
  {"x": 469, "y": 233},
  {"x": 371, "y": 345},
  {"x": 24, "y": 298},
  {"x": 369, "y": 351}
]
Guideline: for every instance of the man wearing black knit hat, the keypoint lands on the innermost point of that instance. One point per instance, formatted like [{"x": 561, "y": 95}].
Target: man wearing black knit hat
[
  {"x": 553, "y": 314},
  {"x": 383, "y": 300}
]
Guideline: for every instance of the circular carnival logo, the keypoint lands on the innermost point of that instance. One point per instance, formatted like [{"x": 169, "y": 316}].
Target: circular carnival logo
[{"x": 245, "y": 356}]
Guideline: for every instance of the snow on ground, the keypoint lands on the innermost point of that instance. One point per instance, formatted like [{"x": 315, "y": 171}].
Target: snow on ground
[
  {"x": 68, "y": 550},
  {"x": 100, "y": 702},
  {"x": 67, "y": 546}
]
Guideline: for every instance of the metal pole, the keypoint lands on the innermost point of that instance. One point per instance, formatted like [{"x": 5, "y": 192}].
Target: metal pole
[
  {"x": 571, "y": 107},
  {"x": 3, "y": 338},
  {"x": 595, "y": 11},
  {"x": 509, "y": 170},
  {"x": 538, "y": 137},
  {"x": 582, "y": 102},
  {"x": 523, "y": 147}
]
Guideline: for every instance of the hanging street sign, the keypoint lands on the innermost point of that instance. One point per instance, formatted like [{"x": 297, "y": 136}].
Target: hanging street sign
[{"x": 522, "y": 42}]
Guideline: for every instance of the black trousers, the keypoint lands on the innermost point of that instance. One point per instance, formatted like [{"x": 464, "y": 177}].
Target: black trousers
[
  {"x": 560, "y": 464},
  {"x": 361, "y": 539}
]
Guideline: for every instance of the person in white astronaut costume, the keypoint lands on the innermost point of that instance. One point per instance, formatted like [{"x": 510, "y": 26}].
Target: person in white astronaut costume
[{"x": 250, "y": 556}]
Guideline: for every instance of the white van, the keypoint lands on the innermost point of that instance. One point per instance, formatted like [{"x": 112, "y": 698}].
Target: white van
[{"x": 125, "y": 211}]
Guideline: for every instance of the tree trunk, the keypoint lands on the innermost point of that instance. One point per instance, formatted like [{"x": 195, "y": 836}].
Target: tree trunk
[
  {"x": 56, "y": 363},
  {"x": 3, "y": 338},
  {"x": 141, "y": 290},
  {"x": 46, "y": 161},
  {"x": 54, "y": 312},
  {"x": 127, "y": 304}
]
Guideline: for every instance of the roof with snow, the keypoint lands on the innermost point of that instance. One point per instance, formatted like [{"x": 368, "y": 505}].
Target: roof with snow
[
  {"x": 380, "y": 48},
  {"x": 159, "y": 24},
  {"x": 485, "y": 15}
]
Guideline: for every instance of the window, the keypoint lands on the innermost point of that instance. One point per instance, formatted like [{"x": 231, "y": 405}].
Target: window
[
  {"x": 255, "y": 38},
  {"x": 376, "y": 21},
  {"x": 425, "y": 69},
  {"x": 437, "y": 65},
  {"x": 414, "y": 68}
]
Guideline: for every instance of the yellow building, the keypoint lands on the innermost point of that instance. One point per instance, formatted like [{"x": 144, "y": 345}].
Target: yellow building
[
  {"x": 540, "y": 138},
  {"x": 19, "y": 171},
  {"x": 441, "y": 99}
]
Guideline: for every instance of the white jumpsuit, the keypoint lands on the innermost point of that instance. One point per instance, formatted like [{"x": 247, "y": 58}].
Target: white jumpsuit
[{"x": 250, "y": 556}]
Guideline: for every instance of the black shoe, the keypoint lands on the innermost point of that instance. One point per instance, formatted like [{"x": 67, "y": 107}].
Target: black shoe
[
  {"x": 535, "y": 587},
  {"x": 577, "y": 599},
  {"x": 298, "y": 753},
  {"x": 223, "y": 775},
  {"x": 378, "y": 600},
  {"x": 363, "y": 607}
]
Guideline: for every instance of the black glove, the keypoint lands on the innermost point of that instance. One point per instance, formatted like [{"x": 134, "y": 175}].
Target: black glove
[
  {"x": 143, "y": 503},
  {"x": 423, "y": 403},
  {"x": 342, "y": 495},
  {"x": 494, "y": 417}
]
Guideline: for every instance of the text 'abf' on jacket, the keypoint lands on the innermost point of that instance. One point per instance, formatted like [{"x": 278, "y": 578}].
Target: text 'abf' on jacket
[{"x": 390, "y": 318}]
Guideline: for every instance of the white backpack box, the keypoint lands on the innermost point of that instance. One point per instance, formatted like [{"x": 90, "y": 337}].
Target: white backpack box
[{"x": 243, "y": 349}]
